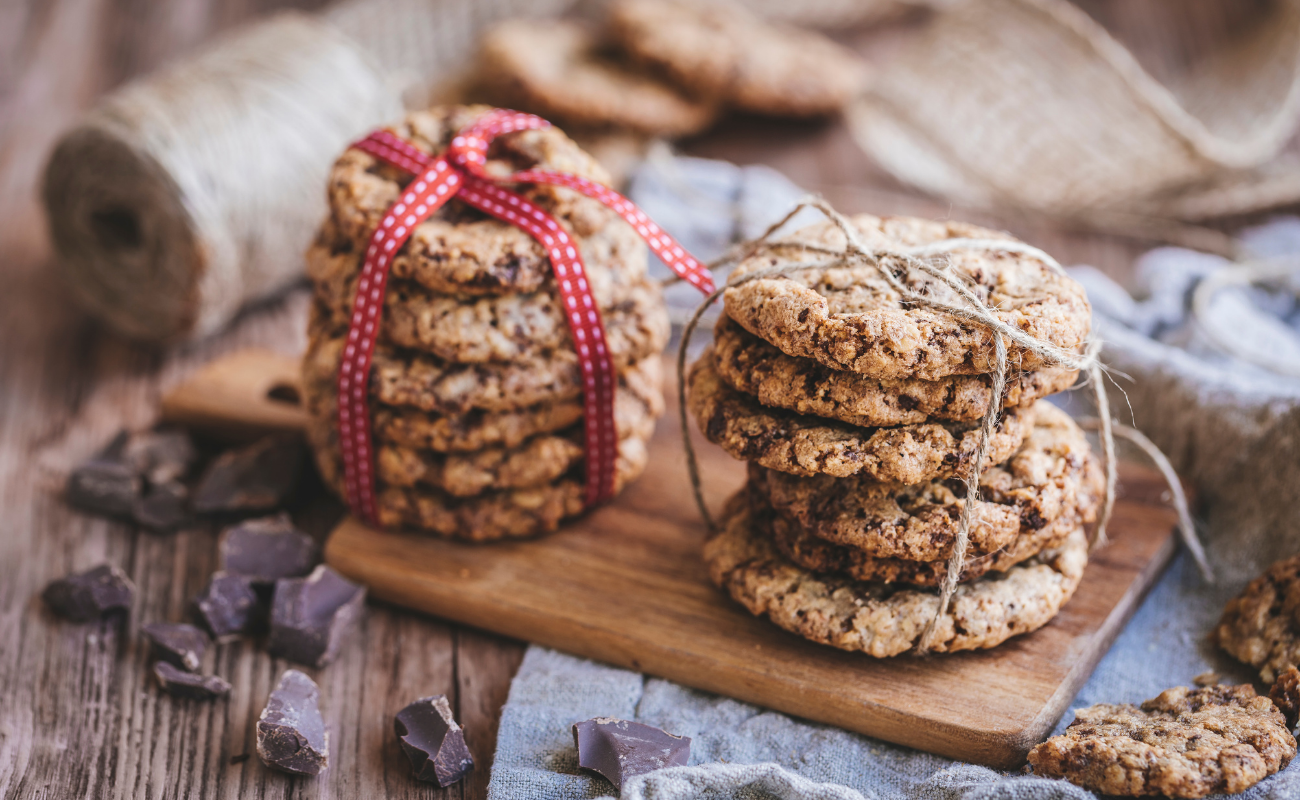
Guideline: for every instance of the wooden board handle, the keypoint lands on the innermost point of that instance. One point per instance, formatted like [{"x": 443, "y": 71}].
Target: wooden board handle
[{"x": 244, "y": 395}]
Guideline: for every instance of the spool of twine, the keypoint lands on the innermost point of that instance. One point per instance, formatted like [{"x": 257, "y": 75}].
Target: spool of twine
[
  {"x": 893, "y": 265},
  {"x": 186, "y": 195}
]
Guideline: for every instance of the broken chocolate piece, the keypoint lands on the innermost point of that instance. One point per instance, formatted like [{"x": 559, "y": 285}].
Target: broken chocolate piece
[
  {"x": 180, "y": 683},
  {"x": 267, "y": 549},
  {"x": 176, "y": 643},
  {"x": 160, "y": 456},
  {"x": 1285, "y": 694},
  {"x": 619, "y": 749},
  {"x": 229, "y": 607},
  {"x": 90, "y": 595},
  {"x": 253, "y": 479},
  {"x": 312, "y": 616},
  {"x": 291, "y": 734},
  {"x": 433, "y": 741},
  {"x": 107, "y": 483},
  {"x": 163, "y": 506}
]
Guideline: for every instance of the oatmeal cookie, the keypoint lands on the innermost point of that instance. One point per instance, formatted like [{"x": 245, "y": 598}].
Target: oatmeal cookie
[
  {"x": 559, "y": 68},
  {"x": 1261, "y": 626},
  {"x": 410, "y": 379},
  {"x": 1184, "y": 743},
  {"x": 460, "y": 250},
  {"x": 819, "y": 555},
  {"x": 881, "y": 619},
  {"x": 1053, "y": 473},
  {"x": 509, "y": 514},
  {"x": 750, "y": 365},
  {"x": 721, "y": 50},
  {"x": 801, "y": 445},
  {"x": 850, "y": 318},
  {"x": 1285, "y": 694},
  {"x": 515, "y": 327},
  {"x": 639, "y": 389}
]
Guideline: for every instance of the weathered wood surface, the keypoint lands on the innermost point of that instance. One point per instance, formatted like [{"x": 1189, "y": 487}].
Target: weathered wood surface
[{"x": 78, "y": 717}]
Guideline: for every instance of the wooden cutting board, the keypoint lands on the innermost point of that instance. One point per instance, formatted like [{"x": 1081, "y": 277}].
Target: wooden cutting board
[{"x": 625, "y": 585}]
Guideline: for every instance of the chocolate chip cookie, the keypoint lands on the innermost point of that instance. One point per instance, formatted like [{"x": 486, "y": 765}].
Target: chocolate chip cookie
[
  {"x": 1261, "y": 626},
  {"x": 460, "y": 250},
  {"x": 801, "y": 445},
  {"x": 722, "y": 51},
  {"x": 750, "y": 365},
  {"x": 1052, "y": 474},
  {"x": 417, "y": 380},
  {"x": 561, "y": 69},
  {"x": 1184, "y": 743},
  {"x": 850, "y": 318},
  {"x": 881, "y": 619}
]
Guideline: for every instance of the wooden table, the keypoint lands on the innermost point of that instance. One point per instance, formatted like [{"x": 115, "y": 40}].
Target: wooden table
[{"x": 79, "y": 715}]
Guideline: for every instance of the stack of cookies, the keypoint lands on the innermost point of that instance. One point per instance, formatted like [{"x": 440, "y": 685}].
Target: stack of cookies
[
  {"x": 475, "y": 389},
  {"x": 859, "y": 415}
]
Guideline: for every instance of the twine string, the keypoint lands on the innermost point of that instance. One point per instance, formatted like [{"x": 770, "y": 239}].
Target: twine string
[{"x": 894, "y": 265}]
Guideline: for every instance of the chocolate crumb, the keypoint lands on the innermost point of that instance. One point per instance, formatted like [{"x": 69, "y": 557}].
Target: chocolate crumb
[
  {"x": 89, "y": 595},
  {"x": 106, "y": 484},
  {"x": 267, "y": 549},
  {"x": 311, "y": 617},
  {"x": 254, "y": 479},
  {"x": 229, "y": 607},
  {"x": 179, "y": 683},
  {"x": 177, "y": 643},
  {"x": 619, "y": 749},
  {"x": 291, "y": 734}
]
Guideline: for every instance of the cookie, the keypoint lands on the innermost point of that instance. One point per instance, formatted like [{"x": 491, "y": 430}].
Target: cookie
[
  {"x": 417, "y": 380},
  {"x": 511, "y": 514},
  {"x": 801, "y": 445},
  {"x": 721, "y": 50},
  {"x": 1261, "y": 626},
  {"x": 560, "y": 69},
  {"x": 850, "y": 318},
  {"x": 882, "y": 619},
  {"x": 1184, "y": 743},
  {"x": 1285, "y": 694},
  {"x": 1051, "y": 474},
  {"x": 460, "y": 250},
  {"x": 819, "y": 555},
  {"x": 515, "y": 327},
  {"x": 750, "y": 365},
  {"x": 639, "y": 388}
]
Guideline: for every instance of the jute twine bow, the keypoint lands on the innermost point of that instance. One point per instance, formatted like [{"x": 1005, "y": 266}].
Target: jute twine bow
[{"x": 893, "y": 264}]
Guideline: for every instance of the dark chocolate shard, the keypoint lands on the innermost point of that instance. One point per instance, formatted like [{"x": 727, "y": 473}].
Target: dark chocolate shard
[
  {"x": 229, "y": 607},
  {"x": 90, "y": 595},
  {"x": 311, "y": 617},
  {"x": 619, "y": 749},
  {"x": 163, "y": 506},
  {"x": 107, "y": 483},
  {"x": 291, "y": 734},
  {"x": 160, "y": 456},
  {"x": 180, "y": 683},
  {"x": 251, "y": 480},
  {"x": 433, "y": 741},
  {"x": 267, "y": 549},
  {"x": 177, "y": 643}
]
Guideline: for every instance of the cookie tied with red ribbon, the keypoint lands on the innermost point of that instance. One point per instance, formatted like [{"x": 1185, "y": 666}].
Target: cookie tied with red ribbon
[{"x": 484, "y": 343}]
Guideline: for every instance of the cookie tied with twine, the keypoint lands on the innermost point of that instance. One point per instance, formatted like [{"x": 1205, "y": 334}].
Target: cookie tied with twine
[{"x": 922, "y": 275}]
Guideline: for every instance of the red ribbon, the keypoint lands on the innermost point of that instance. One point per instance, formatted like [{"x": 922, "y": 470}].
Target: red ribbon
[{"x": 459, "y": 172}]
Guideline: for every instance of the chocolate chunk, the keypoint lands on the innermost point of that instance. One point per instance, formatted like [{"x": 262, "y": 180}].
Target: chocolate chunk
[
  {"x": 253, "y": 479},
  {"x": 229, "y": 607},
  {"x": 267, "y": 549},
  {"x": 163, "y": 506},
  {"x": 619, "y": 749},
  {"x": 107, "y": 483},
  {"x": 433, "y": 741},
  {"x": 176, "y": 643},
  {"x": 312, "y": 616},
  {"x": 91, "y": 594},
  {"x": 180, "y": 683},
  {"x": 160, "y": 456},
  {"x": 291, "y": 734}
]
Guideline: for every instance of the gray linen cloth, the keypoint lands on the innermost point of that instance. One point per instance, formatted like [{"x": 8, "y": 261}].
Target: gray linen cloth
[{"x": 746, "y": 752}]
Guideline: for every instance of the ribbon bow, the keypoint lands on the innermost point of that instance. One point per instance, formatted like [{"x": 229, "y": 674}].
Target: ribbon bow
[{"x": 459, "y": 172}]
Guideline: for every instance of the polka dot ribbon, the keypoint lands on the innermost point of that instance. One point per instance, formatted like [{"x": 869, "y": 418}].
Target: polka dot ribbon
[{"x": 460, "y": 173}]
